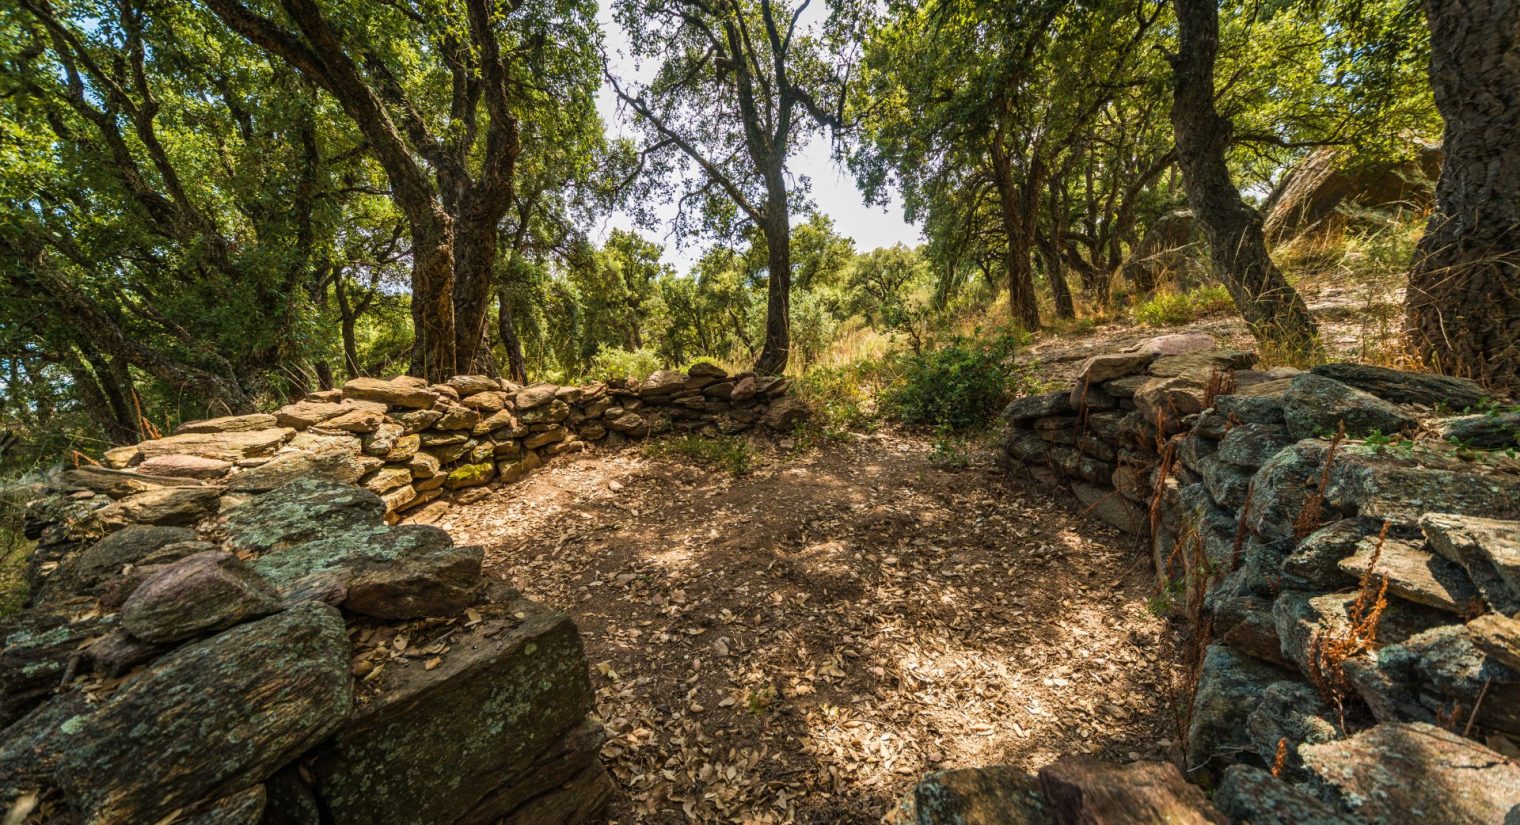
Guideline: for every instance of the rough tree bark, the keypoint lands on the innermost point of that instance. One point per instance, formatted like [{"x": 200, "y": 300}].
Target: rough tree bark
[
  {"x": 1463, "y": 302},
  {"x": 1018, "y": 227},
  {"x": 1272, "y": 308}
]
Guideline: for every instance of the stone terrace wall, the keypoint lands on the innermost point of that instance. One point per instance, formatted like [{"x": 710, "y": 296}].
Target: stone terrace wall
[
  {"x": 1266, "y": 498},
  {"x": 294, "y": 660},
  {"x": 229, "y": 625},
  {"x": 411, "y": 443}
]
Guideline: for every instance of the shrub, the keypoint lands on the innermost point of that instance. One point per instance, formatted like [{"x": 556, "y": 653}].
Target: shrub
[
  {"x": 843, "y": 397},
  {"x": 615, "y": 362},
  {"x": 957, "y": 387},
  {"x": 1166, "y": 309}
]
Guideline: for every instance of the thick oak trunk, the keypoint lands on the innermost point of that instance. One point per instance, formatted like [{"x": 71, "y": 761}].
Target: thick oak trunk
[
  {"x": 778, "y": 301},
  {"x": 1463, "y": 302},
  {"x": 476, "y": 235},
  {"x": 433, "y": 302},
  {"x": 1272, "y": 308},
  {"x": 1019, "y": 229}
]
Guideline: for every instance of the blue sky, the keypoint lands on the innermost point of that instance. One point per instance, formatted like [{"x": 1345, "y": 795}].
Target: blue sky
[{"x": 833, "y": 188}]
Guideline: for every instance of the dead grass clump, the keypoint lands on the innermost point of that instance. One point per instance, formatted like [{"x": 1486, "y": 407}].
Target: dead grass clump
[
  {"x": 1311, "y": 517},
  {"x": 1328, "y": 651},
  {"x": 1221, "y": 382}
]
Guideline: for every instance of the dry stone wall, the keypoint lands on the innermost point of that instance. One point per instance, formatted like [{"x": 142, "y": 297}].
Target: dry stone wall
[
  {"x": 1346, "y": 542},
  {"x": 232, "y": 625},
  {"x": 412, "y": 444}
]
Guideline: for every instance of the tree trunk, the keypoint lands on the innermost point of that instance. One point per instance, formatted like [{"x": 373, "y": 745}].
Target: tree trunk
[
  {"x": 778, "y": 258},
  {"x": 517, "y": 366},
  {"x": 1050, "y": 252},
  {"x": 475, "y": 240},
  {"x": 1016, "y": 256},
  {"x": 1272, "y": 308},
  {"x": 433, "y": 302},
  {"x": 1462, "y": 308}
]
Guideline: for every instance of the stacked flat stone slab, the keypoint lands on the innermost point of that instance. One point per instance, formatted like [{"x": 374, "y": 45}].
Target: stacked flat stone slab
[
  {"x": 412, "y": 443},
  {"x": 1267, "y": 505},
  {"x": 1104, "y": 436},
  {"x": 295, "y": 660}
]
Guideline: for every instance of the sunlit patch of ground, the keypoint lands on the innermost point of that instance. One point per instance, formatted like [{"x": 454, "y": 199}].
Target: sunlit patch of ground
[{"x": 802, "y": 643}]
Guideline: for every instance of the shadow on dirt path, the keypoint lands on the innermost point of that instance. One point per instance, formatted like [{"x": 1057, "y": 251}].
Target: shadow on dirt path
[{"x": 800, "y": 644}]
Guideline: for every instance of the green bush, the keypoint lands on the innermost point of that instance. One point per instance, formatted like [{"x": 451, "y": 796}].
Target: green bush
[
  {"x": 1169, "y": 309},
  {"x": 959, "y": 386},
  {"x": 615, "y": 362}
]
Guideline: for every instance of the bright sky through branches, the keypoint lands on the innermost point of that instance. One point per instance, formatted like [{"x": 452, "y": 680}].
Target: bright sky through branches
[{"x": 833, "y": 188}]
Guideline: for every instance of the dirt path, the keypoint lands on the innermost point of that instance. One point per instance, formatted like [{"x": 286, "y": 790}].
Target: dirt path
[{"x": 800, "y": 644}]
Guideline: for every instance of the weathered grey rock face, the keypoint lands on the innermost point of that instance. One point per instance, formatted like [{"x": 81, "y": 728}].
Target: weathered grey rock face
[
  {"x": 1406, "y": 387},
  {"x": 1416, "y": 772},
  {"x": 299, "y": 512},
  {"x": 1038, "y": 406},
  {"x": 1250, "y": 445},
  {"x": 995, "y": 795},
  {"x": 331, "y": 464},
  {"x": 170, "y": 505},
  {"x": 1317, "y": 406},
  {"x": 1253, "y": 409},
  {"x": 1433, "y": 671},
  {"x": 1413, "y": 574},
  {"x": 225, "y": 713},
  {"x": 1489, "y": 432},
  {"x": 1300, "y": 616},
  {"x": 1230, "y": 686},
  {"x": 387, "y": 572},
  {"x": 1315, "y": 563},
  {"x": 1109, "y": 507},
  {"x": 1083, "y": 789},
  {"x": 1293, "y": 714},
  {"x": 35, "y": 648},
  {"x": 105, "y": 559},
  {"x": 1487, "y": 549},
  {"x": 199, "y": 593},
  {"x": 459, "y": 736},
  {"x": 1249, "y": 794},
  {"x": 1403, "y": 488}
]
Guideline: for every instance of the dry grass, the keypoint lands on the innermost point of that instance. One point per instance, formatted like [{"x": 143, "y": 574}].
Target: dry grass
[
  {"x": 1329, "y": 651},
  {"x": 1312, "y": 517}
]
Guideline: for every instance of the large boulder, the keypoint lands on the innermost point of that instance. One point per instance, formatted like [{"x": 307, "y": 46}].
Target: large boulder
[
  {"x": 207, "y": 591},
  {"x": 1429, "y": 673},
  {"x": 476, "y": 736},
  {"x": 1318, "y": 406},
  {"x": 225, "y": 713},
  {"x": 1393, "y": 774}
]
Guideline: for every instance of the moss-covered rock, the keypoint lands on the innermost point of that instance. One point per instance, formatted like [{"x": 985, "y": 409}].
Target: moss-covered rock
[{"x": 209, "y": 719}]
